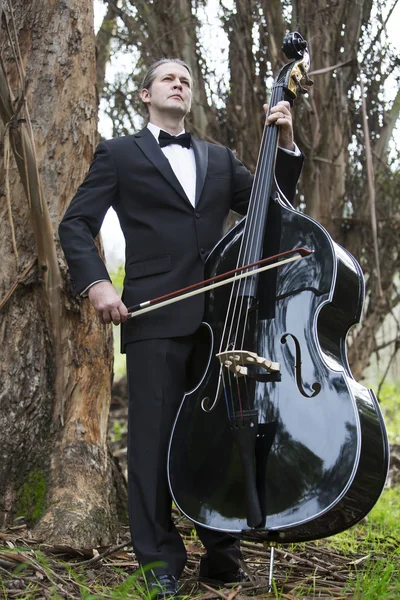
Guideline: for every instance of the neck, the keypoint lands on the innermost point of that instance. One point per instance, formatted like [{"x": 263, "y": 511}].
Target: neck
[{"x": 168, "y": 123}]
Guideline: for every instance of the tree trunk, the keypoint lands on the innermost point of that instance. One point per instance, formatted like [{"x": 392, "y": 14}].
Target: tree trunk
[{"x": 55, "y": 470}]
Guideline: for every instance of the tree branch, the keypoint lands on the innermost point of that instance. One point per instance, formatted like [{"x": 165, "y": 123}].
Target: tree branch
[
  {"x": 371, "y": 45},
  {"x": 103, "y": 43},
  {"x": 334, "y": 67}
]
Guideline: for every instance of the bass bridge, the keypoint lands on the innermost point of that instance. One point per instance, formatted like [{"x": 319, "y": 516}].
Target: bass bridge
[{"x": 243, "y": 363}]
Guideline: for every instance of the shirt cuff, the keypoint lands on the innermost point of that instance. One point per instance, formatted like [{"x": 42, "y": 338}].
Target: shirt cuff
[
  {"x": 295, "y": 152},
  {"x": 85, "y": 291}
]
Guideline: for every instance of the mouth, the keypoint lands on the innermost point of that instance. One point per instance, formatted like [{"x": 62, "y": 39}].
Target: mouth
[{"x": 176, "y": 96}]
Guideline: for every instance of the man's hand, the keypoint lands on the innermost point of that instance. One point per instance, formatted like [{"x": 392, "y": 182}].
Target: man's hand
[
  {"x": 280, "y": 115},
  {"x": 104, "y": 298}
]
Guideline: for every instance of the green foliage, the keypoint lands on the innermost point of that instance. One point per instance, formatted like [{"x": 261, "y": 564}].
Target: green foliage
[
  {"x": 389, "y": 397},
  {"x": 119, "y": 429},
  {"x": 31, "y": 497},
  {"x": 117, "y": 277}
]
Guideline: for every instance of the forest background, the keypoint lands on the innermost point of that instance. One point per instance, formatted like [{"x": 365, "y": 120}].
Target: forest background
[
  {"x": 214, "y": 44},
  {"x": 56, "y": 360}
]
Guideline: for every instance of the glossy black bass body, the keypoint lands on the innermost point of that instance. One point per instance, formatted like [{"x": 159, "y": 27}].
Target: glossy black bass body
[{"x": 319, "y": 453}]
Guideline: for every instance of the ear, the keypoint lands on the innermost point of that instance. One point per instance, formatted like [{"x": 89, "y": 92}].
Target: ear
[{"x": 145, "y": 96}]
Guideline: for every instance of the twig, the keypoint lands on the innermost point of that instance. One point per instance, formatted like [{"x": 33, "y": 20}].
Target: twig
[
  {"x": 107, "y": 552},
  {"x": 395, "y": 340},
  {"x": 214, "y": 591},
  {"x": 371, "y": 46},
  {"x": 329, "y": 162},
  {"x": 371, "y": 187},
  {"x": 333, "y": 67},
  {"x": 311, "y": 564},
  {"x": 4, "y": 564},
  {"x": 233, "y": 594}
]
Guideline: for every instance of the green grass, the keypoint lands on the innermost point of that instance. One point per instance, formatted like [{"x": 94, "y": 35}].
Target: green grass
[
  {"x": 377, "y": 534},
  {"x": 379, "y": 581}
]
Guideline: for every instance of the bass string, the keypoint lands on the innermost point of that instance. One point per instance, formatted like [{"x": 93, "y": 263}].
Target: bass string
[
  {"x": 254, "y": 219},
  {"x": 255, "y": 223},
  {"x": 253, "y": 231},
  {"x": 260, "y": 207},
  {"x": 252, "y": 239},
  {"x": 249, "y": 232}
]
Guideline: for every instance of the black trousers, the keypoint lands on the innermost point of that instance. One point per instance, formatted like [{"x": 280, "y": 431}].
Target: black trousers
[{"x": 157, "y": 380}]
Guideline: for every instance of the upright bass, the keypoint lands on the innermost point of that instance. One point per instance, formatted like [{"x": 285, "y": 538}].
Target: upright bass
[{"x": 277, "y": 441}]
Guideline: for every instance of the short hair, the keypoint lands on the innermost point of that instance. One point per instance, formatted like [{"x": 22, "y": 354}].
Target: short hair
[{"x": 151, "y": 72}]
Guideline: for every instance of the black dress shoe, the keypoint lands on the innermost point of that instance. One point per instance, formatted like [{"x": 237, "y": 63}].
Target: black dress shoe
[
  {"x": 219, "y": 579},
  {"x": 165, "y": 586}
]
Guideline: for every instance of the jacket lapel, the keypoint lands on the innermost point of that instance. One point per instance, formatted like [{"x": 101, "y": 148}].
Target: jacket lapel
[
  {"x": 150, "y": 148},
  {"x": 200, "y": 149}
]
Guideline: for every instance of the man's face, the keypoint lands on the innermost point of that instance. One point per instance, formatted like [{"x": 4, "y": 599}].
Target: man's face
[{"x": 170, "y": 92}]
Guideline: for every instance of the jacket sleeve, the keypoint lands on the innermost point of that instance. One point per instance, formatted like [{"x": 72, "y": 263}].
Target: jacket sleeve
[
  {"x": 83, "y": 219},
  {"x": 287, "y": 172}
]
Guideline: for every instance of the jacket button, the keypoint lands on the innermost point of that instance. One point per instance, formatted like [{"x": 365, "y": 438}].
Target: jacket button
[{"x": 197, "y": 215}]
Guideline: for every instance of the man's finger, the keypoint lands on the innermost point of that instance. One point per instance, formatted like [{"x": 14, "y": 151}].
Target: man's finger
[
  {"x": 115, "y": 316},
  {"x": 105, "y": 317},
  {"x": 123, "y": 311}
]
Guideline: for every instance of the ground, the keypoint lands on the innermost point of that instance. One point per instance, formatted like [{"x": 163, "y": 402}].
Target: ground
[{"x": 360, "y": 564}]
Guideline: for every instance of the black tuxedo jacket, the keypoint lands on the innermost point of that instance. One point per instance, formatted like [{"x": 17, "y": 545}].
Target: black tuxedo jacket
[{"x": 167, "y": 239}]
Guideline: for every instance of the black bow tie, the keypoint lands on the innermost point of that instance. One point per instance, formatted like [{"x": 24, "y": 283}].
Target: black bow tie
[{"x": 165, "y": 139}]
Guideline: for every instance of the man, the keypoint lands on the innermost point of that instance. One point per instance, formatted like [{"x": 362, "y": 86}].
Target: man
[{"x": 172, "y": 202}]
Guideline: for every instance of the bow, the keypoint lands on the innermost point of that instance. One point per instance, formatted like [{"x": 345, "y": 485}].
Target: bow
[{"x": 165, "y": 139}]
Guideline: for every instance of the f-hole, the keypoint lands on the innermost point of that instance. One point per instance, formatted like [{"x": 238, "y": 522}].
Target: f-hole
[{"x": 316, "y": 387}]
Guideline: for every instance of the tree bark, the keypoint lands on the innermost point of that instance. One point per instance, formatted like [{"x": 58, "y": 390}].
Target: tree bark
[{"x": 55, "y": 470}]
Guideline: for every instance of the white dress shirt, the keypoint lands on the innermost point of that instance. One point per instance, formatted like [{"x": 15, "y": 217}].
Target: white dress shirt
[{"x": 182, "y": 162}]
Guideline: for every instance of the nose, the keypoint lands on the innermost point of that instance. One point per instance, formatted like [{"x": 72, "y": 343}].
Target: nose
[{"x": 177, "y": 84}]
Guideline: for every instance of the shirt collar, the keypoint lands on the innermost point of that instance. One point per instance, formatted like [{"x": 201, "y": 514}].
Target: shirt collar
[{"x": 156, "y": 130}]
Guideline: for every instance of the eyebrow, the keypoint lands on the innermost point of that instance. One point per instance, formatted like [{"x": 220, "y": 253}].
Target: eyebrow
[{"x": 184, "y": 77}]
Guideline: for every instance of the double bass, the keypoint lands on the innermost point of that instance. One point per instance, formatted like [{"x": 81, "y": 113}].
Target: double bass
[{"x": 277, "y": 442}]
